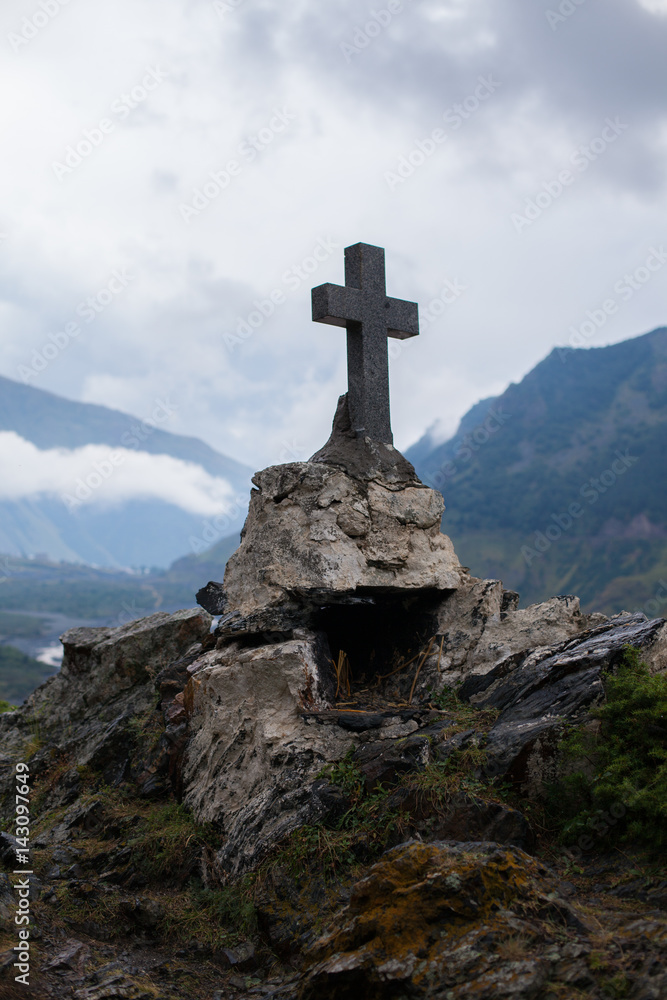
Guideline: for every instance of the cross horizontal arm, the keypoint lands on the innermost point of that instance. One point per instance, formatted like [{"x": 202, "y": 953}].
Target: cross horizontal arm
[
  {"x": 336, "y": 305},
  {"x": 402, "y": 319}
]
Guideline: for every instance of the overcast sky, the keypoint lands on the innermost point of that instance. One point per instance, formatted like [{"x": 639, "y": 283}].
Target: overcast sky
[{"x": 121, "y": 284}]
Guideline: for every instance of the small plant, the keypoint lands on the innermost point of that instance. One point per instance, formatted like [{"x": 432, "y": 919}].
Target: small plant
[
  {"x": 145, "y": 731},
  {"x": 6, "y": 707},
  {"x": 230, "y": 907},
  {"x": 621, "y": 782},
  {"x": 463, "y": 713},
  {"x": 362, "y": 832},
  {"x": 35, "y": 743},
  {"x": 345, "y": 774},
  {"x": 617, "y": 987},
  {"x": 514, "y": 949},
  {"x": 168, "y": 842}
]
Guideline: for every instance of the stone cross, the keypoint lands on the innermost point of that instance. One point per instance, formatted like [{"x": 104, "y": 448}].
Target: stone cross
[{"x": 362, "y": 306}]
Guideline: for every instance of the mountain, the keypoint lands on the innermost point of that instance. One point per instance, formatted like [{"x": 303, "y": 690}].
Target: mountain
[
  {"x": 560, "y": 483},
  {"x": 84, "y": 483},
  {"x": 196, "y": 570}
]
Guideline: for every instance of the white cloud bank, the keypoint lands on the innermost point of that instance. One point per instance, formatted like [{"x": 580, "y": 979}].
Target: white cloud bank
[
  {"x": 107, "y": 476},
  {"x": 209, "y": 84}
]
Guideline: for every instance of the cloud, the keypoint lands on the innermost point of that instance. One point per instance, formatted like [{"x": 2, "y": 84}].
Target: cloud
[
  {"x": 654, "y": 6},
  {"x": 98, "y": 474},
  {"x": 322, "y": 177}
]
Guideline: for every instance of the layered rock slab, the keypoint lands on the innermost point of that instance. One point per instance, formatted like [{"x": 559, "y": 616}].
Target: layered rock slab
[
  {"x": 538, "y": 691},
  {"x": 106, "y": 673},
  {"x": 107, "y": 678},
  {"x": 253, "y": 759}
]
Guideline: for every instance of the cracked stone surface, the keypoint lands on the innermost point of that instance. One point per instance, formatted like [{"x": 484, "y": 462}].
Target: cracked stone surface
[{"x": 313, "y": 533}]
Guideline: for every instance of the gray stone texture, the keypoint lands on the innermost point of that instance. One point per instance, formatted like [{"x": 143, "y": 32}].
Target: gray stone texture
[
  {"x": 538, "y": 690},
  {"x": 251, "y": 757},
  {"x": 316, "y": 534},
  {"x": 107, "y": 676}
]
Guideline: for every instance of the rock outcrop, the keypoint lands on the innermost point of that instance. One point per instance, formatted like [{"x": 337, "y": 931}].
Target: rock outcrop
[
  {"x": 434, "y": 917},
  {"x": 107, "y": 677},
  {"x": 251, "y": 756},
  {"x": 109, "y": 670},
  {"x": 264, "y": 723},
  {"x": 250, "y": 735},
  {"x": 353, "y": 524},
  {"x": 342, "y": 565},
  {"x": 538, "y": 692},
  {"x": 314, "y": 535},
  {"x": 352, "y": 755}
]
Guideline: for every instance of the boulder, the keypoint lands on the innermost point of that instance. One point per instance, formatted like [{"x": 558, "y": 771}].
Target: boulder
[
  {"x": 107, "y": 677},
  {"x": 537, "y": 692},
  {"x": 316, "y": 535},
  {"x": 480, "y": 624},
  {"x": 383, "y": 762},
  {"x": 428, "y": 919},
  {"x": 252, "y": 757},
  {"x": 108, "y": 671}
]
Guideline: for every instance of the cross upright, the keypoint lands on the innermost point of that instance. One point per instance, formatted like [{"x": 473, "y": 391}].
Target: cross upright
[{"x": 362, "y": 306}]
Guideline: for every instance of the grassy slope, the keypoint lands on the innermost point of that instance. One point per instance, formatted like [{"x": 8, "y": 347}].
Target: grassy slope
[
  {"x": 608, "y": 576},
  {"x": 561, "y": 427}
]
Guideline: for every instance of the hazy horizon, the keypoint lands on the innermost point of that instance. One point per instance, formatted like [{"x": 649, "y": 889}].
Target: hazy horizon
[{"x": 172, "y": 165}]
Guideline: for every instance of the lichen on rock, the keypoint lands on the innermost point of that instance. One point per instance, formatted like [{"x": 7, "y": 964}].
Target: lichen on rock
[{"x": 426, "y": 917}]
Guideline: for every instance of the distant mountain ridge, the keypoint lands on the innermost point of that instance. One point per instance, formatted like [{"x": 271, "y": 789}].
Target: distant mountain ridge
[
  {"x": 560, "y": 483},
  {"x": 51, "y": 421},
  {"x": 139, "y": 531}
]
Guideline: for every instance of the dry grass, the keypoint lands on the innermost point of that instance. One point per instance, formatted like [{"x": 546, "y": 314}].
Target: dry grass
[
  {"x": 343, "y": 674},
  {"x": 515, "y": 948}
]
